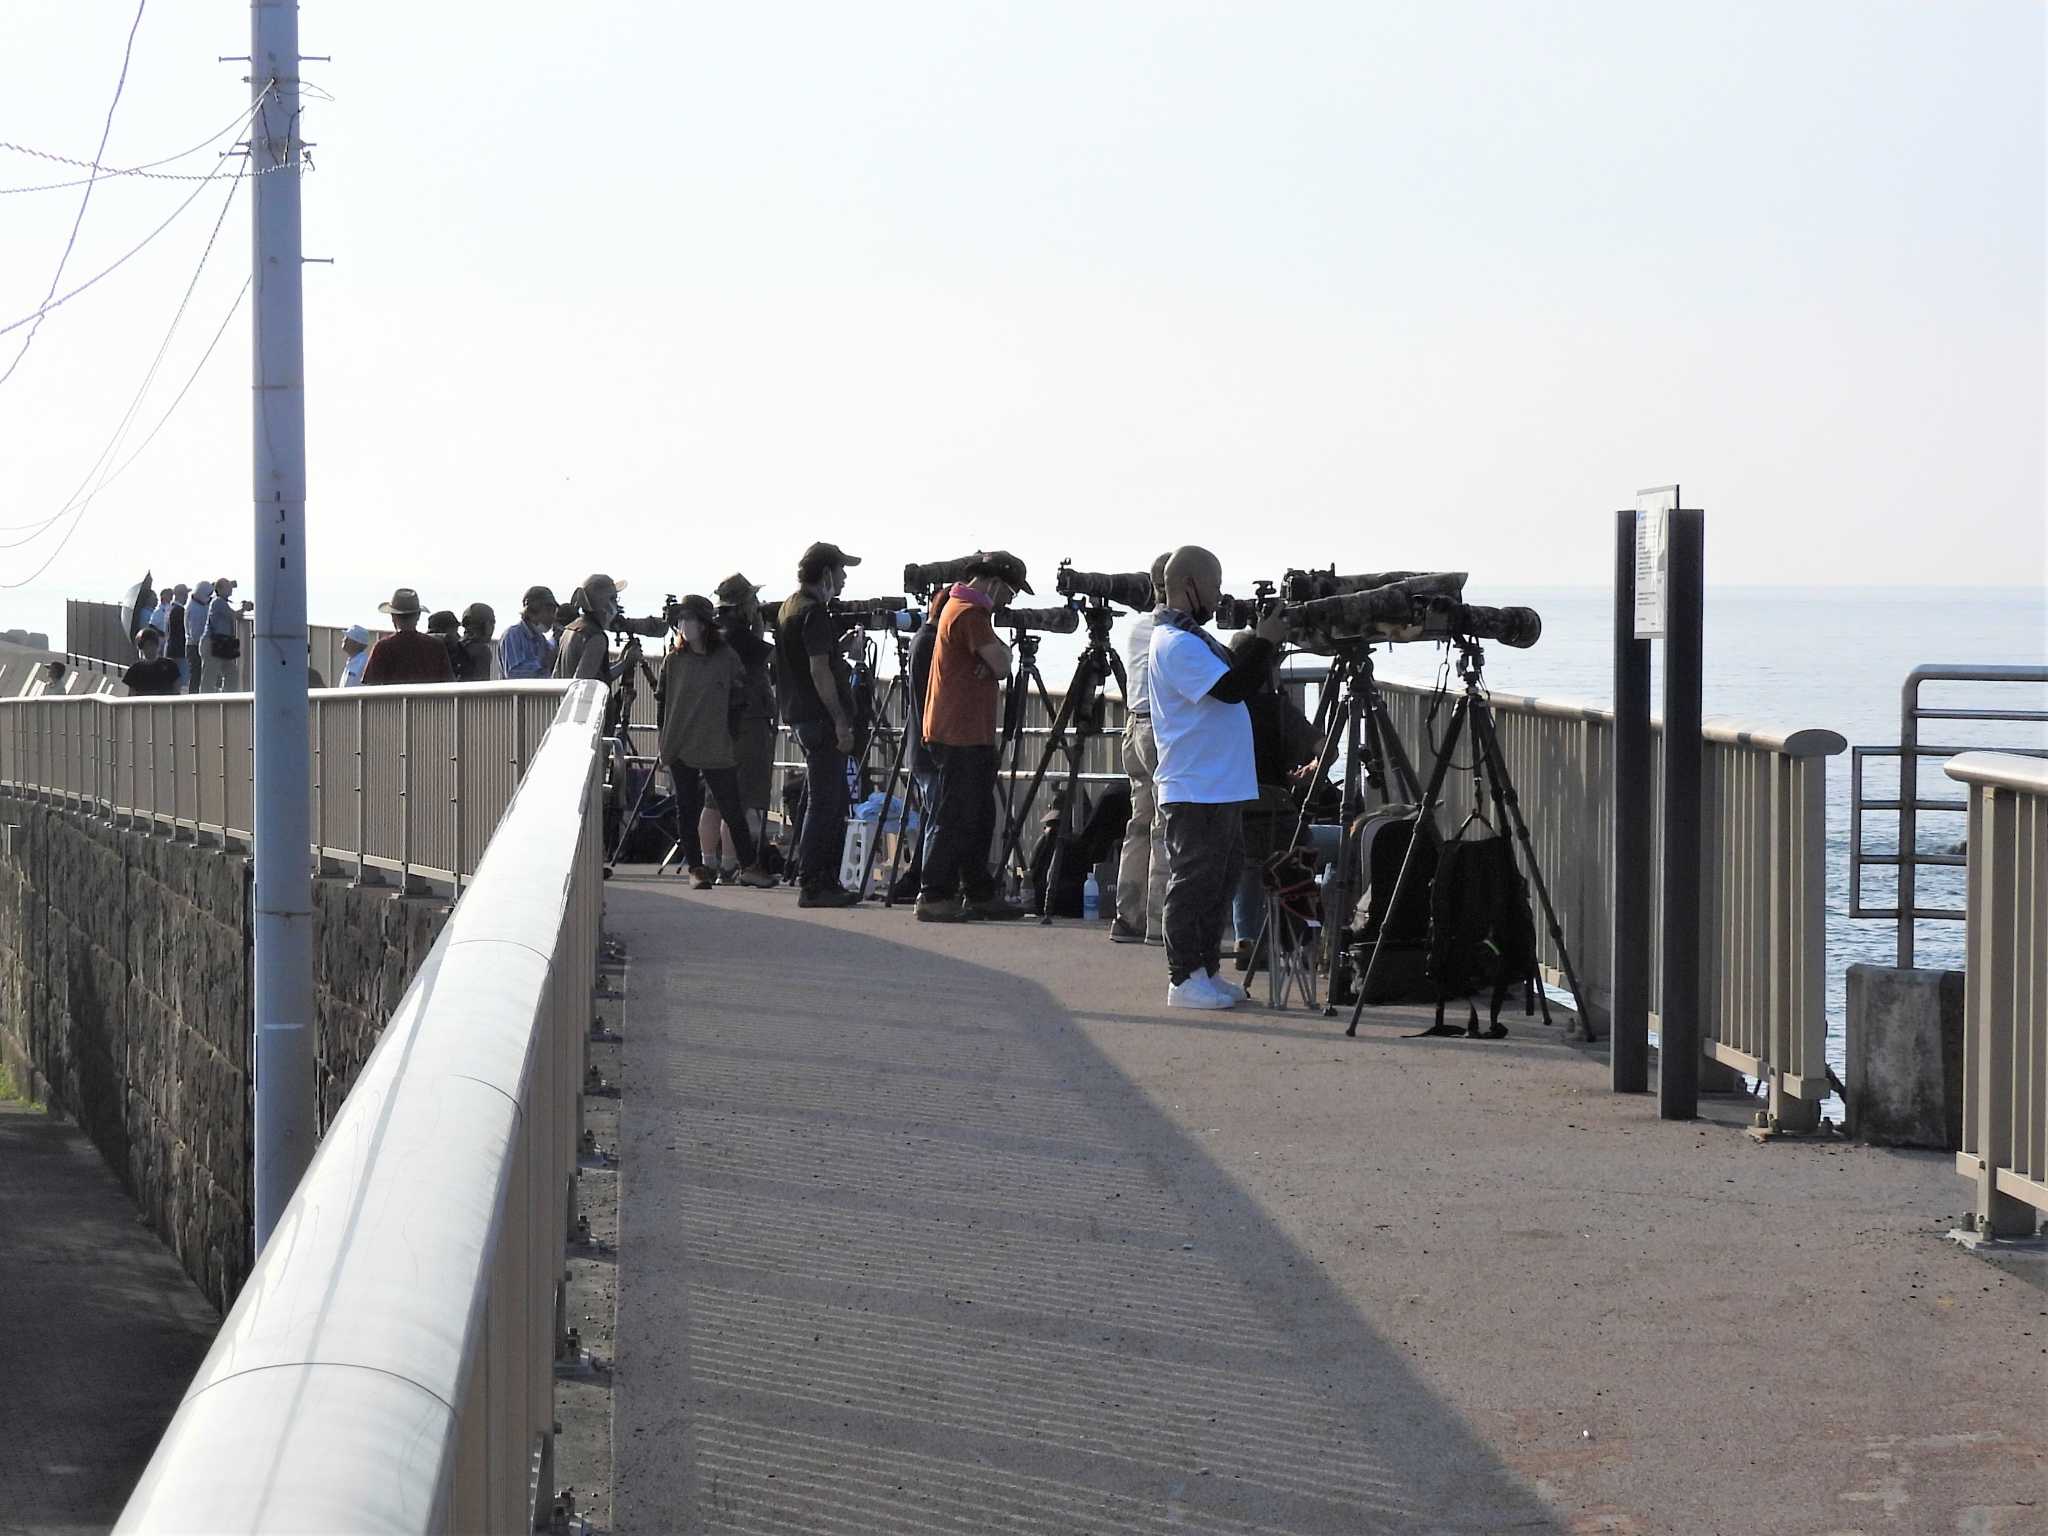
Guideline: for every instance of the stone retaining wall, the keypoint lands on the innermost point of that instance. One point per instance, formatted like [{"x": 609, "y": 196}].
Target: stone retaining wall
[{"x": 125, "y": 1002}]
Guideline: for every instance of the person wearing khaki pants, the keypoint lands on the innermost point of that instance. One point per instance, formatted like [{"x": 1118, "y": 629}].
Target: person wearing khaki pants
[{"x": 1141, "y": 869}]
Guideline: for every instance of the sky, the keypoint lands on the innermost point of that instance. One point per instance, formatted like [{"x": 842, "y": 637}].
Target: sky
[{"x": 667, "y": 290}]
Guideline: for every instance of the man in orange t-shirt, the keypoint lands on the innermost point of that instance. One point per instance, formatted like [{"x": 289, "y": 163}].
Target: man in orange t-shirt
[{"x": 960, "y": 707}]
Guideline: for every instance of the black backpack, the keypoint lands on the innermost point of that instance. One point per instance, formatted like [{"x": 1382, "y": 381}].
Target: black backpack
[
  {"x": 1481, "y": 934},
  {"x": 1402, "y": 974}
]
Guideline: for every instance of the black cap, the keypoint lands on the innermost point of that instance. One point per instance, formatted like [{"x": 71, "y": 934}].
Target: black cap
[
  {"x": 828, "y": 554},
  {"x": 539, "y": 596},
  {"x": 1002, "y": 565},
  {"x": 697, "y": 606}
]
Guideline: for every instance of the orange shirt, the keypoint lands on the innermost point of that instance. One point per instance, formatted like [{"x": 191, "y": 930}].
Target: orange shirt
[{"x": 962, "y": 698}]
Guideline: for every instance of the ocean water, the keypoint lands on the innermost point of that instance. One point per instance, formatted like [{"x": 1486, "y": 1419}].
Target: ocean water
[{"x": 1824, "y": 656}]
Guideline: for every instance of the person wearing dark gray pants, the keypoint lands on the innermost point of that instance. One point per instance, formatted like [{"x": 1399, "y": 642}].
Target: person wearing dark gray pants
[{"x": 1205, "y": 856}]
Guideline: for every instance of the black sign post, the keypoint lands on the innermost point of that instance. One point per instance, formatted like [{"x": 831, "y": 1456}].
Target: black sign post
[
  {"x": 1678, "y": 1010},
  {"x": 1633, "y": 832}
]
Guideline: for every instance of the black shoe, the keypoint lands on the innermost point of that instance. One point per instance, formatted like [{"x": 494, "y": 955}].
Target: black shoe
[
  {"x": 993, "y": 909},
  {"x": 829, "y": 896},
  {"x": 1119, "y": 934}
]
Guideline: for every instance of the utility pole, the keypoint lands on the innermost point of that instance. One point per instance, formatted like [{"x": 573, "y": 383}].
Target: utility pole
[{"x": 287, "y": 1098}]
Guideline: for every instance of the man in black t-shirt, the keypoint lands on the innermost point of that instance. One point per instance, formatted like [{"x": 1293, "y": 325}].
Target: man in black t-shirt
[
  {"x": 155, "y": 674},
  {"x": 814, "y": 686}
]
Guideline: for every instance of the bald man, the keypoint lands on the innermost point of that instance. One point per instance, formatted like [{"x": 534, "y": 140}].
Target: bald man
[{"x": 1205, "y": 771}]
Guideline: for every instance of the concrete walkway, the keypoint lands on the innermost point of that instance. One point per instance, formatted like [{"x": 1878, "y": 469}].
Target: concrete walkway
[
  {"x": 958, "y": 1229},
  {"x": 100, "y": 1331}
]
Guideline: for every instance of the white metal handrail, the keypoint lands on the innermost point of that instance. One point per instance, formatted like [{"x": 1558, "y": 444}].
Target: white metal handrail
[
  {"x": 388, "y": 1365},
  {"x": 2005, "y": 991},
  {"x": 406, "y": 781}
]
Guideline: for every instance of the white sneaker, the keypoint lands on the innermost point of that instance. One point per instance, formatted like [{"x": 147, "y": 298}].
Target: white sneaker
[
  {"x": 1197, "y": 992},
  {"x": 1229, "y": 989}
]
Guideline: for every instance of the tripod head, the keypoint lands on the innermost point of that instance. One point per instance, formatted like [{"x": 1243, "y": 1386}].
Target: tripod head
[
  {"x": 1098, "y": 616},
  {"x": 1471, "y": 661}
]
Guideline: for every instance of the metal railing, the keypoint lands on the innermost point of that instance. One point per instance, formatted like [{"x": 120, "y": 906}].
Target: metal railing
[
  {"x": 388, "y": 1365},
  {"x": 1764, "y": 960},
  {"x": 1909, "y": 802},
  {"x": 2005, "y": 991},
  {"x": 409, "y": 782}
]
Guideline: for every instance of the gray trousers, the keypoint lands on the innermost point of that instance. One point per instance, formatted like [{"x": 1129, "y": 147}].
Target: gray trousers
[
  {"x": 1141, "y": 872},
  {"x": 1204, "y": 857}
]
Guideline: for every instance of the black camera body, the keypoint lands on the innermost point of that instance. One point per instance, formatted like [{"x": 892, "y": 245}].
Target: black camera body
[{"x": 1244, "y": 612}]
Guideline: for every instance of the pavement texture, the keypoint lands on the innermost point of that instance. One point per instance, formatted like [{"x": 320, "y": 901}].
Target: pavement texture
[
  {"x": 100, "y": 1331},
  {"x": 959, "y": 1229}
]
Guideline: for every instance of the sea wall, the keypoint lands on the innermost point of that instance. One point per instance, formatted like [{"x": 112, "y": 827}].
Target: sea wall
[{"x": 125, "y": 1002}]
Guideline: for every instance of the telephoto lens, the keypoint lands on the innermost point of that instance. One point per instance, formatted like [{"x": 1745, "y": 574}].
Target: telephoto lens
[
  {"x": 1306, "y": 586},
  {"x": 1053, "y": 621},
  {"x": 1396, "y": 611},
  {"x": 1131, "y": 589},
  {"x": 1517, "y": 628},
  {"x": 869, "y": 612},
  {"x": 924, "y": 580}
]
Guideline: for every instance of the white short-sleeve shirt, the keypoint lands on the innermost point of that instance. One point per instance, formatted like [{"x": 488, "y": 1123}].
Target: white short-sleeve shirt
[
  {"x": 1137, "y": 664},
  {"x": 1205, "y": 745}
]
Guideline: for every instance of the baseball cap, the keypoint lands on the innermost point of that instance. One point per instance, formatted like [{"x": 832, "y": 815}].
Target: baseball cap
[
  {"x": 358, "y": 634},
  {"x": 697, "y": 606},
  {"x": 822, "y": 553},
  {"x": 440, "y": 621},
  {"x": 480, "y": 614},
  {"x": 539, "y": 596},
  {"x": 1002, "y": 565},
  {"x": 404, "y": 600},
  {"x": 598, "y": 581}
]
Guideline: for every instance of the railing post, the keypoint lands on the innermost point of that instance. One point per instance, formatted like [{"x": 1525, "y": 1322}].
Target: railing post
[
  {"x": 405, "y": 793},
  {"x": 455, "y": 792},
  {"x": 1909, "y": 812},
  {"x": 362, "y": 799}
]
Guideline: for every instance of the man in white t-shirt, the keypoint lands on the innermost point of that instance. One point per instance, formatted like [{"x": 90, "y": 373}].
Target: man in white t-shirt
[
  {"x": 1141, "y": 872},
  {"x": 1205, "y": 772}
]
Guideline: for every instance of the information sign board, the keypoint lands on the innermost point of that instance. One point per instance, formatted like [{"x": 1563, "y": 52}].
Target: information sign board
[{"x": 1653, "y": 525}]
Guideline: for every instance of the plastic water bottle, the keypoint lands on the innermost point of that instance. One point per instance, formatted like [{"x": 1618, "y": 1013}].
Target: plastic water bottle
[{"x": 1091, "y": 898}]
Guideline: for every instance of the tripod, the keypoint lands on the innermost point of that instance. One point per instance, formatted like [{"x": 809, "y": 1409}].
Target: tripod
[
  {"x": 1351, "y": 713},
  {"x": 1024, "y": 677},
  {"x": 898, "y": 697},
  {"x": 1475, "y": 712},
  {"x": 619, "y": 721},
  {"x": 1078, "y": 722}
]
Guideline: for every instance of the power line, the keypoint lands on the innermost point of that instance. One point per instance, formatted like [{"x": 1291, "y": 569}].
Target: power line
[
  {"x": 37, "y": 528},
  {"x": 106, "y": 128},
  {"x": 168, "y": 410},
  {"x": 111, "y": 269},
  {"x": 147, "y": 171}
]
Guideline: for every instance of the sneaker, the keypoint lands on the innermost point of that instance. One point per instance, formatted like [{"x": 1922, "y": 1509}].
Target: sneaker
[
  {"x": 1119, "y": 934},
  {"x": 992, "y": 908},
  {"x": 701, "y": 878},
  {"x": 829, "y": 896},
  {"x": 1197, "y": 992},
  {"x": 728, "y": 874},
  {"x": 757, "y": 877},
  {"x": 941, "y": 909},
  {"x": 1229, "y": 989}
]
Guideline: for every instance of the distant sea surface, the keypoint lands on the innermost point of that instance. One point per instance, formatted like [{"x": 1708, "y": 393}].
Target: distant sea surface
[{"x": 1825, "y": 656}]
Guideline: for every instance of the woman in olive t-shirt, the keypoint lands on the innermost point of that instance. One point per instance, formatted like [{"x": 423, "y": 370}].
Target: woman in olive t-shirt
[{"x": 703, "y": 690}]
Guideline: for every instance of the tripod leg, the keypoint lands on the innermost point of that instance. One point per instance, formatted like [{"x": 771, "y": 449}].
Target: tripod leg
[
  {"x": 1015, "y": 705},
  {"x": 629, "y": 820},
  {"x": 1432, "y": 797},
  {"x": 1062, "y": 722},
  {"x": 1511, "y": 802},
  {"x": 867, "y": 867}
]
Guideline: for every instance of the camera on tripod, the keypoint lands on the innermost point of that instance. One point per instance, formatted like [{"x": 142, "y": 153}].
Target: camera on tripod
[
  {"x": 1393, "y": 611},
  {"x": 876, "y": 613},
  {"x": 1244, "y": 612},
  {"x": 1131, "y": 589},
  {"x": 921, "y": 581}
]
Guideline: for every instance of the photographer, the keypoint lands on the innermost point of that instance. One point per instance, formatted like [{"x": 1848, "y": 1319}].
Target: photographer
[
  {"x": 814, "y": 687},
  {"x": 1206, "y": 770},
  {"x": 529, "y": 646},
  {"x": 703, "y": 690},
  {"x": 586, "y": 646},
  {"x": 959, "y": 727},
  {"x": 740, "y": 623},
  {"x": 1141, "y": 871}
]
